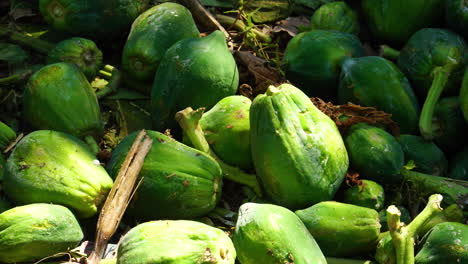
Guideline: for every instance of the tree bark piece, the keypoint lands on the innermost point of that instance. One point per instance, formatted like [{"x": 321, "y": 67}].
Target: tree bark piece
[{"x": 120, "y": 195}]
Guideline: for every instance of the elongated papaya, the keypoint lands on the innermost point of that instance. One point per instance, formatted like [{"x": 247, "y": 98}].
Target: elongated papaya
[
  {"x": 312, "y": 60},
  {"x": 342, "y": 229},
  {"x": 196, "y": 72},
  {"x": 297, "y": 150},
  {"x": 152, "y": 33},
  {"x": 178, "y": 181},
  {"x": 93, "y": 18},
  {"x": 175, "y": 242},
  {"x": 267, "y": 233},
  {"x": 34, "y": 231},
  {"x": 375, "y": 81},
  {"x": 60, "y": 98},
  {"x": 53, "y": 167}
]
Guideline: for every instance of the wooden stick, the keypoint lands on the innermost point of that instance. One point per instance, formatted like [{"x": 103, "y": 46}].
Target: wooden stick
[
  {"x": 120, "y": 195},
  {"x": 203, "y": 16}
]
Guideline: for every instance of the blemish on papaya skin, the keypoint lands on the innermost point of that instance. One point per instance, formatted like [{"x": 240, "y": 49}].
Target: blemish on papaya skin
[
  {"x": 229, "y": 126},
  {"x": 239, "y": 114},
  {"x": 186, "y": 183}
]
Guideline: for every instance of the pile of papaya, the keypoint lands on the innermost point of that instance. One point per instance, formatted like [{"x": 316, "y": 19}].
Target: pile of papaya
[{"x": 281, "y": 132}]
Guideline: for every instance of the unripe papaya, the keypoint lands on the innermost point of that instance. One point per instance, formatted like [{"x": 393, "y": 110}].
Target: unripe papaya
[
  {"x": 367, "y": 194},
  {"x": 80, "y": 51},
  {"x": 335, "y": 16},
  {"x": 152, "y": 33},
  {"x": 34, "y": 231},
  {"x": 196, "y": 72},
  {"x": 175, "y": 242},
  {"x": 53, "y": 167},
  {"x": 227, "y": 130},
  {"x": 267, "y": 233},
  {"x": 298, "y": 152},
  {"x": 7, "y": 135},
  {"x": 342, "y": 229},
  {"x": 59, "y": 97}
]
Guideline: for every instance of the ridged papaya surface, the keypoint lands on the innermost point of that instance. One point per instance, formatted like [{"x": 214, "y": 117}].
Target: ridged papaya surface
[
  {"x": 59, "y": 97},
  {"x": 178, "y": 181},
  {"x": 193, "y": 72},
  {"x": 34, "y": 231},
  {"x": 175, "y": 242},
  {"x": 267, "y": 233},
  {"x": 297, "y": 150},
  {"x": 53, "y": 167},
  {"x": 152, "y": 33}
]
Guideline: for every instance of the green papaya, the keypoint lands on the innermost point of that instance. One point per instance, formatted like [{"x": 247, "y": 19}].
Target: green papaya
[
  {"x": 175, "y": 242},
  {"x": 196, "y": 72},
  {"x": 178, "y": 181},
  {"x": 426, "y": 155},
  {"x": 267, "y": 233},
  {"x": 446, "y": 243},
  {"x": 80, "y": 51},
  {"x": 7, "y": 135},
  {"x": 367, "y": 194},
  {"x": 375, "y": 153},
  {"x": 152, "y": 33},
  {"x": 35, "y": 231},
  {"x": 298, "y": 152},
  {"x": 375, "y": 81},
  {"x": 394, "y": 21},
  {"x": 405, "y": 217},
  {"x": 73, "y": 110},
  {"x": 54, "y": 167},
  {"x": 312, "y": 60},
  {"x": 464, "y": 95},
  {"x": 448, "y": 124},
  {"x": 227, "y": 129},
  {"x": 456, "y": 16},
  {"x": 335, "y": 16},
  {"x": 459, "y": 165},
  {"x": 99, "y": 19},
  {"x": 342, "y": 230},
  {"x": 434, "y": 60}
]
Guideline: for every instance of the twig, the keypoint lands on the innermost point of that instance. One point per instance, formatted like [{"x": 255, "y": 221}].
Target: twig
[
  {"x": 120, "y": 194},
  {"x": 204, "y": 17}
]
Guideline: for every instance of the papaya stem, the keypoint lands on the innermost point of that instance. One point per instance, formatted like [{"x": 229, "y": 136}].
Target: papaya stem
[
  {"x": 389, "y": 52},
  {"x": 188, "y": 120},
  {"x": 454, "y": 191},
  {"x": 403, "y": 237},
  {"x": 114, "y": 77},
  {"x": 39, "y": 45},
  {"x": 93, "y": 145},
  {"x": 239, "y": 25},
  {"x": 441, "y": 76}
]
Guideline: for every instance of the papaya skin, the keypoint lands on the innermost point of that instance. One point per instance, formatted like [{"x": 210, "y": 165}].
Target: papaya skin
[{"x": 53, "y": 167}]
